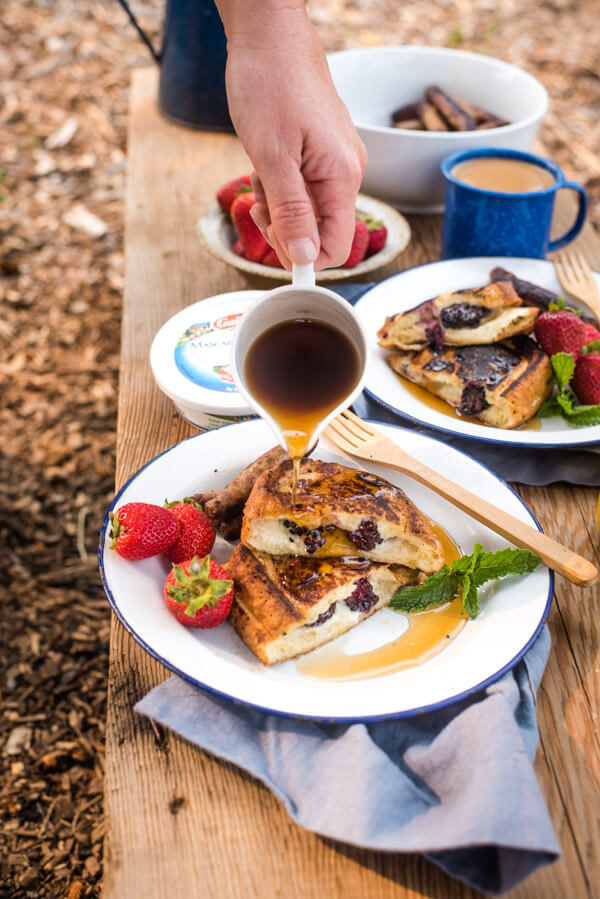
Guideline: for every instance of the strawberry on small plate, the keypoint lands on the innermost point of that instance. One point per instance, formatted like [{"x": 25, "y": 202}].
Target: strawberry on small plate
[{"x": 219, "y": 237}]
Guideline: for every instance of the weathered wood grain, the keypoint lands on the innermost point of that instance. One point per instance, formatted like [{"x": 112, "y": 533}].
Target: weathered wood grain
[{"x": 182, "y": 824}]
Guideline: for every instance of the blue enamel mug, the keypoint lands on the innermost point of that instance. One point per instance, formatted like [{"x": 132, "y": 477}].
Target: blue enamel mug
[{"x": 481, "y": 222}]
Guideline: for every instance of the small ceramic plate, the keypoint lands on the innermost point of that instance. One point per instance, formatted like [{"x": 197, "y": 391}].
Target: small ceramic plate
[
  {"x": 404, "y": 291},
  {"x": 218, "y": 237},
  {"x": 512, "y": 612}
]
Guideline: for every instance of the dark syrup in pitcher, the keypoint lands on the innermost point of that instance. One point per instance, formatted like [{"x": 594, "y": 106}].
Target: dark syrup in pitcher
[{"x": 299, "y": 371}]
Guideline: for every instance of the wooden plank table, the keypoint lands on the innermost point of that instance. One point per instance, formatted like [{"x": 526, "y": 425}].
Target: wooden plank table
[{"x": 183, "y": 824}]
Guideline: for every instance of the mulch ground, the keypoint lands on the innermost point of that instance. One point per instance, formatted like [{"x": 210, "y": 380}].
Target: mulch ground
[{"x": 64, "y": 75}]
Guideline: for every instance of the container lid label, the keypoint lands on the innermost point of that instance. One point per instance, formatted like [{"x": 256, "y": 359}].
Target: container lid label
[{"x": 202, "y": 353}]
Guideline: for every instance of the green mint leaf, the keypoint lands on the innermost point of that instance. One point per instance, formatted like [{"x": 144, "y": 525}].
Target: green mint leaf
[
  {"x": 565, "y": 401},
  {"x": 593, "y": 347},
  {"x": 583, "y": 416},
  {"x": 470, "y": 596},
  {"x": 505, "y": 561},
  {"x": 468, "y": 572},
  {"x": 549, "y": 409},
  {"x": 438, "y": 588},
  {"x": 563, "y": 366}
]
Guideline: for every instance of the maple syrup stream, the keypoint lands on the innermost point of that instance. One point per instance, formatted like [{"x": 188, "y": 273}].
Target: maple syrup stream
[{"x": 299, "y": 371}]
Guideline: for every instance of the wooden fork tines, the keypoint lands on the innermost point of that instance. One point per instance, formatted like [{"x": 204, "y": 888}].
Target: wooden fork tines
[
  {"x": 358, "y": 438},
  {"x": 575, "y": 276}
]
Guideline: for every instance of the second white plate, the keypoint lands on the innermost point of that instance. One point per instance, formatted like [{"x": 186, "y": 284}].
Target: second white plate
[{"x": 404, "y": 291}]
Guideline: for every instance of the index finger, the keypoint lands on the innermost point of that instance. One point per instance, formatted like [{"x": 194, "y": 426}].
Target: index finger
[{"x": 336, "y": 206}]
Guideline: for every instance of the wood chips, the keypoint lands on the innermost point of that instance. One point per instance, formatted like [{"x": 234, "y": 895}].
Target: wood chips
[{"x": 64, "y": 76}]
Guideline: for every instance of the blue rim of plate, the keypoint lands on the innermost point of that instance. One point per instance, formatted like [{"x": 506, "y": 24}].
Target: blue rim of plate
[
  {"x": 405, "y": 416},
  {"x": 407, "y": 713}
]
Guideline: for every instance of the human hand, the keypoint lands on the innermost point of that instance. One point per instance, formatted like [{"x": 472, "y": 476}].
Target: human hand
[{"x": 308, "y": 158}]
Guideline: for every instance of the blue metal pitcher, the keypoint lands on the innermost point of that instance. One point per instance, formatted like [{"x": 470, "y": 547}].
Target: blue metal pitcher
[{"x": 192, "y": 64}]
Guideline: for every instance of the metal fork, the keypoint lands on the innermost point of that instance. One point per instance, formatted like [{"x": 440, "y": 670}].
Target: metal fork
[
  {"x": 358, "y": 438},
  {"x": 575, "y": 276}
]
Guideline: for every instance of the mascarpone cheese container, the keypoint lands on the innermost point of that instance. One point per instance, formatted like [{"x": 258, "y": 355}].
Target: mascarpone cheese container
[{"x": 190, "y": 359}]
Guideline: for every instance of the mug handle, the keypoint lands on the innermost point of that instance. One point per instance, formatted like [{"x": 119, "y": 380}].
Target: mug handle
[{"x": 576, "y": 228}]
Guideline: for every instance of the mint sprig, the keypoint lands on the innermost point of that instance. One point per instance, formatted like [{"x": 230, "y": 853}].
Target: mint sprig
[
  {"x": 468, "y": 572},
  {"x": 565, "y": 401}
]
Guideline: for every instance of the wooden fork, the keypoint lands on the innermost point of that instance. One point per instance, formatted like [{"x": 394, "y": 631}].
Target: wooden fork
[
  {"x": 357, "y": 438},
  {"x": 575, "y": 276}
]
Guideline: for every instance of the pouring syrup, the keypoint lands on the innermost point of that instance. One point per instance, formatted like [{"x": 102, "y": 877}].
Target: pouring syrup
[{"x": 299, "y": 371}]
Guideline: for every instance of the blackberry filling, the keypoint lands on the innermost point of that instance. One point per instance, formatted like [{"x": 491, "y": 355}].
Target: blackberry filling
[
  {"x": 323, "y": 617},
  {"x": 473, "y": 399},
  {"x": 362, "y": 598},
  {"x": 366, "y": 536},
  {"x": 435, "y": 336},
  {"x": 313, "y": 541},
  {"x": 293, "y": 527},
  {"x": 462, "y": 315}
]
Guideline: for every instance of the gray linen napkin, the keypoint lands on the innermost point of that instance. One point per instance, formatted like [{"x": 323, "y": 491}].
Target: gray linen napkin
[
  {"x": 521, "y": 464},
  {"x": 456, "y": 784}
]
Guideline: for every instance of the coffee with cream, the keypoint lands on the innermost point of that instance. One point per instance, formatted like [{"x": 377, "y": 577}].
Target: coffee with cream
[{"x": 498, "y": 173}]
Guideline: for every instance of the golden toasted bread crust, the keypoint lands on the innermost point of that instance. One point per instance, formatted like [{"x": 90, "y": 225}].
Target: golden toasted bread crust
[
  {"x": 274, "y": 597},
  {"x": 282, "y": 591},
  {"x": 328, "y": 491},
  {"x": 514, "y": 375}
]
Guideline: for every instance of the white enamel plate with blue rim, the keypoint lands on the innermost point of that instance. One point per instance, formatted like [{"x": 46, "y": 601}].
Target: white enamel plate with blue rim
[
  {"x": 405, "y": 291},
  {"x": 512, "y": 612}
]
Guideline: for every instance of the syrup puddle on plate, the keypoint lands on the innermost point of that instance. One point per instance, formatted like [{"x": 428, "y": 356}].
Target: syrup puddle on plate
[
  {"x": 439, "y": 405},
  {"x": 425, "y": 636}
]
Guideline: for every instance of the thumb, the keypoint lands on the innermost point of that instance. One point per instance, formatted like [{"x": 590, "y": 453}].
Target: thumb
[{"x": 292, "y": 214}]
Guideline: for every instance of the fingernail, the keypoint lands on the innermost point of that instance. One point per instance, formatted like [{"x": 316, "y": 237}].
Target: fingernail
[{"x": 301, "y": 250}]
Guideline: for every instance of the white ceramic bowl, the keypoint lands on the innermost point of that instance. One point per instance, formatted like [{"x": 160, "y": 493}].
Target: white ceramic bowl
[{"x": 404, "y": 166}]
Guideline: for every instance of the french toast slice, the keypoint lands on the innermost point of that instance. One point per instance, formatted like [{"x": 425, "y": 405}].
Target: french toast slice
[
  {"x": 502, "y": 384},
  {"x": 460, "y": 318},
  {"x": 285, "y": 605},
  {"x": 338, "y": 511}
]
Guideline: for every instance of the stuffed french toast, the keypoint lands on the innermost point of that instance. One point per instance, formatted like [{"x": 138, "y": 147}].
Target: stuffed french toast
[
  {"x": 460, "y": 318},
  {"x": 310, "y": 570},
  {"x": 338, "y": 512}
]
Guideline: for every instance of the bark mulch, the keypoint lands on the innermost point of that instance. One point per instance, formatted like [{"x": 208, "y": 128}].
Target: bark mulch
[{"x": 64, "y": 75}]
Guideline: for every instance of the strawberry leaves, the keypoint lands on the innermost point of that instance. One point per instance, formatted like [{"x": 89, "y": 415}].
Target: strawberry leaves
[
  {"x": 197, "y": 589},
  {"x": 467, "y": 573}
]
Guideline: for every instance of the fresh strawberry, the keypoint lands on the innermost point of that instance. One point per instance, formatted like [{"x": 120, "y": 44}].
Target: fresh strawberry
[
  {"x": 227, "y": 194},
  {"x": 141, "y": 530},
  {"x": 271, "y": 258},
  {"x": 360, "y": 242},
  {"x": 199, "y": 593},
  {"x": 197, "y": 533},
  {"x": 560, "y": 332},
  {"x": 591, "y": 334},
  {"x": 377, "y": 235},
  {"x": 238, "y": 248},
  {"x": 255, "y": 245},
  {"x": 586, "y": 380}
]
